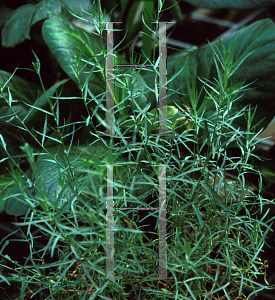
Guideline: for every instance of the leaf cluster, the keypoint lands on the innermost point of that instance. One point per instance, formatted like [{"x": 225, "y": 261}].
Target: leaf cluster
[{"x": 57, "y": 180}]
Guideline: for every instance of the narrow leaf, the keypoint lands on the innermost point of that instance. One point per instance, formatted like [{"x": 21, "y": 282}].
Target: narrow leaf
[
  {"x": 44, "y": 130},
  {"x": 3, "y": 142}
]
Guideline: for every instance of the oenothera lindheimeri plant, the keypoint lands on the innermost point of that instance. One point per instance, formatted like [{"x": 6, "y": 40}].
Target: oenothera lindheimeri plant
[
  {"x": 216, "y": 228},
  {"x": 186, "y": 68},
  {"x": 82, "y": 58},
  {"x": 56, "y": 181}
]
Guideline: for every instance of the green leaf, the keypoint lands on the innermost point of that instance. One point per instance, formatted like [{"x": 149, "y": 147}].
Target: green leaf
[
  {"x": 12, "y": 144},
  {"x": 66, "y": 41},
  {"x": 254, "y": 47},
  {"x": 134, "y": 21},
  {"x": 34, "y": 114},
  {"x": 24, "y": 90},
  {"x": 233, "y": 4},
  {"x": 2, "y": 141},
  {"x": 24, "y": 94},
  {"x": 172, "y": 114},
  {"x": 17, "y": 28},
  {"x": 5, "y": 13},
  {"x": 78, "y": 6},
  {"x": 50, "y": 173},
  {"x": 80, "y": 55},
  {"x": 21, "y": 89},
  {"x": 15, "y": 205},
  {"x": 86, "y": 163},
  {"x": 147, "y": 28},
  {"x": 45, "y": 8},
  {"x": 54, "y": 175}
]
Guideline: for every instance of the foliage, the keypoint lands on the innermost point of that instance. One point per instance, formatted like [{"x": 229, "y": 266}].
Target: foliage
[{"x": 55, "y": 179}]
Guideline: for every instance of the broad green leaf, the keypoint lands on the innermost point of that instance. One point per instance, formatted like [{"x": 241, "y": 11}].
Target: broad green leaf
[
  {"x": 81, "y": 56},
  {"x": 42, "y": 102},
  {"x": 134, "y": 21},
  {"x": 66, "y": 41},
  {"x": 77, "y": 6},
  {"x": 233, "y": 4},
  {"x": 8, "y": 118},
  {"x": 87, "y": 165},
  {"x": 254, "y": 49},
  {"x": 147, "y": 27},
  {"x": 17, "y": 28},
  {"x": 15, "y": 204},
  {"x": 50, "y": 173},
  {"x": 5, "y": 13},
  {"x": 16, "y": 90},
  {"x": 54, "y": 175},
  {"x": 24, "y": 98},
  {"x": 152, "y": 79},
  {"x": 44, "y": 8},
  {"x": 21, "y": 89}
]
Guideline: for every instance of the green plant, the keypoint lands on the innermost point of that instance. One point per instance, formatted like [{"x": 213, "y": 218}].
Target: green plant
[
  {"x": 130, "y": 15},
  {"x": 56, "y": 179}
]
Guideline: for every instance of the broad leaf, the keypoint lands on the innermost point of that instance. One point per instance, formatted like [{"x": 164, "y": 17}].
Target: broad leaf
[
  {"x": 84, "y": 163},
  {"x": 134, "y": 21},
  {"x": 16, "y": 91},
  {"x": 78, "y": 7},
  {"x": 15, "y": 204},
  {"x": 18, "y": 26},
  {"x": 22, "y": 95},
  {"x": 44, "y": 8},
  {"x": 253, "y": 50},
  {"x": 233, "y": 4},
  {"x": 81, "y": 56},
  {"x": 13, "y": 149},
  {"x": 53, "y": 180},
  {"x": 5, "y": 13},
  {"x": 21, "y": 89},
  {"x": 35, "y": 113},
  {"x": 53, "y": 177}
]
